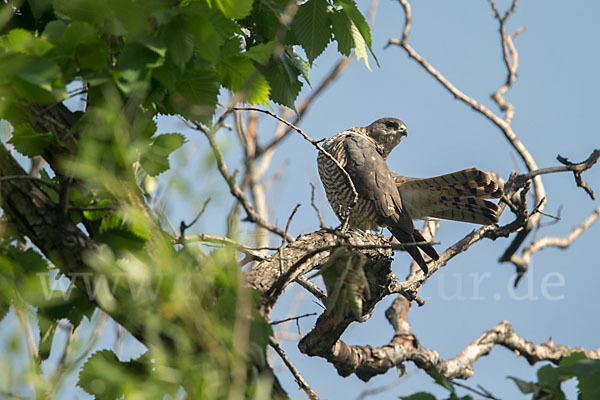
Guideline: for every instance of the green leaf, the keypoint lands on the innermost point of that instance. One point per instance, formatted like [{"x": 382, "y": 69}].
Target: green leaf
[
  {"x": 35, "y": 78},
  {"x": 155, "y": 160},
  {"x": 311, "y": 27},
  {"x": 54, "y": 31},
  {"x": 551, "y": 377},
  {"x": 572, "y": 359},
  {"x": 29, "y": 142},
  {"x": 136, "y": 56},
  {"x": 196, "y": 95},
  {"x": 350, "y": 8},
  {"x": 284, "y": 88},
  {"x": 180, "y": 42},
  {"x": 23, "y": 41},
  {"x": 92, "y": 11},
  {"x": 443, "y": 381},
  {"x": 419, "y": 396},
  {"x": 39, "y": 7},
  {"x": 342, "y": 32},
  {"x": 95, "y": 215},
  {"x": 261, "y": 53},
  {"x": 123, "y": 231},
  {"x": 103, "y": 375},
  {"x": 47, "y": 330},
  {"x": 359, "y": 46},
  {"x": 240, "y": 75},
  {"x": 30, "y": 260},
  {"x": 295, "y": 65},
  {"x": 76, "y": 33},
  {"x": 524, "y": 386},
  {"x": 71, "y": 304},
  {"x": 235, "y": 9},
  {"x": 207, "y": 40},
  {"x": 52, "y": 194}
]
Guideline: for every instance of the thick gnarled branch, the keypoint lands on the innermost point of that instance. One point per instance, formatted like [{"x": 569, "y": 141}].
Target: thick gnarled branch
[{"x": 367, "y": 361}]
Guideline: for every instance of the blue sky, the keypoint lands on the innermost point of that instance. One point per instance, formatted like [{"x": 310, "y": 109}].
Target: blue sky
[{"x": 557, "y": 98}]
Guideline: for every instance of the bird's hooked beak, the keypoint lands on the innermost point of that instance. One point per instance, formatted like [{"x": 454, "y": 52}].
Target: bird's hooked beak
[{"x": 403, "y": 131}]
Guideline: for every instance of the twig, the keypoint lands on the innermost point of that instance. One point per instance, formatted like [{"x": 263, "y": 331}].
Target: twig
[
  {"x": 292, "y": 318},
  {"x": 287, "y": 227},
  {"x": 299, "y": 379},
  {"x": 49, "y": 184},
  {"x": 183, "y": 226},
  {"x": 255, "y": 252},
  {"x": 579, "y": 168},
  {"x": 511, "y": 60},
  {"x": 314, "y": 206},
  {"x": 481, "y": 391},
  {"x": 24, "y": 319},
  {"x": 312, "y": 288},
  {"x": 560, "y": 242},
  {"x": 235, "y": 190},
  {"x": 322, "y": 150}
]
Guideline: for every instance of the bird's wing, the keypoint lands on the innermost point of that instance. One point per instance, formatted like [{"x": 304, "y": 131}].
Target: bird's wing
[
  {"x": 457, "y": 196},
  {"x": 373, "y": 181}
]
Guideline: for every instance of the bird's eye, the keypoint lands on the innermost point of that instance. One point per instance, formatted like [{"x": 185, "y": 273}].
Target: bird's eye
[{"x": 391, "y": 125}]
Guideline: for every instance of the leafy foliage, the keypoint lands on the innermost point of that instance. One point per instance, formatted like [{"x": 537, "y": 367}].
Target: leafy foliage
[
  {"x": 130, "y": 61},
  {"x": 550, "y": 379}
]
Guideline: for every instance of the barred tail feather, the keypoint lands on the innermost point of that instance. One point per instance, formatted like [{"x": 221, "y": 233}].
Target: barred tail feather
[
  {"x": 470, "y": 182},
  {"x": 456, "y": 196},
  {"x": 466, "y": 209}
]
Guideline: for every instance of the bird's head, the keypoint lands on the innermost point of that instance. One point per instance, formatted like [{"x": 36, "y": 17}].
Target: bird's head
[{"x": 387, "y": 133}]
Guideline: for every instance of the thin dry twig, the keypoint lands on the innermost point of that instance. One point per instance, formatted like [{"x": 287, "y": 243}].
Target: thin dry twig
[
  {"x": 289, "y": 222},
  {"x": 314, "y": 206},
  {"x": 323, "y": 151},
  {"x": 23, "y": 317},
  {"x": 292, "y": 318},
  {"x": 480, "y": 391},
  {"x": 299, "y": 379},
  {"x": 255, "y": 252},
  {"x": 560, "y": 242},
  {"x": 287, "y": 227},
  {"x": 252, "y": 215},
  {"x": 578, "y": 168},
  {"x": 183, "y": 226}
]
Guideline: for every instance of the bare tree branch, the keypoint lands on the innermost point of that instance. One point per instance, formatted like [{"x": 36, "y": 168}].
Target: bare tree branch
[
  {"x": 366, "y": 361},
  {"x": 562, "y": 242}
]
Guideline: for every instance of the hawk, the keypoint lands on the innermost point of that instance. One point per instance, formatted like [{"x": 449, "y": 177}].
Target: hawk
[{"x": 386, "y": 199}]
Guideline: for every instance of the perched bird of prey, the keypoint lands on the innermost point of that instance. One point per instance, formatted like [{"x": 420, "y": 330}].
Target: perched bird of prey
[{"x": 386, "y": 199}]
